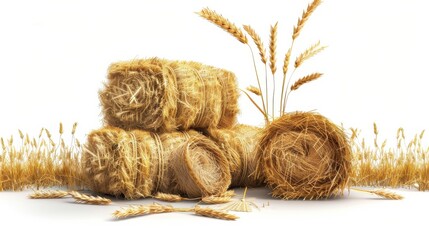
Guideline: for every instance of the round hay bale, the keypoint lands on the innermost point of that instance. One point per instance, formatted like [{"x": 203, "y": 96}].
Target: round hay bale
[
  {"x": 136, "y": 164},
  {"x": 164, "y": 96},
  {"x": 304, "y": 156},
  {"x": 200, "y": 168},
  {"x": 240, "y": 145}
]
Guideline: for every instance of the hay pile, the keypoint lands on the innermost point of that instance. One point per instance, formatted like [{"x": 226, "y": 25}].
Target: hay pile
[
  {"x": 136, "y": 164},
  {"x": 304, "y": 156},
  {"x": 163, "y": 96},
  {"x": 299, "y": 155},
  {"x": 147, "y": 146}
]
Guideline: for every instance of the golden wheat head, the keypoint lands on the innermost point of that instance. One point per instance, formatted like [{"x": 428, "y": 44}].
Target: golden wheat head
[{"x": 223, "y": 23}]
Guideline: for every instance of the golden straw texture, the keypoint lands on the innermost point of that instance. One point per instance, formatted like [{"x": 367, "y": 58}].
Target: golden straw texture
[
  {"x": 163, "y": 96},
  {"x": 304, "y": 155},
  {"x": 239, "y": 145},
  {"x": 136, "y": 164}
]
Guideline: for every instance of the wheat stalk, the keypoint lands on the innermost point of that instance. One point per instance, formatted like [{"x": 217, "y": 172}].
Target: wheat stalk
[
  {"x": 215, "y": 200},
  {"x": 169, "y": 197},
  {"x": 387, "y": 194},
  {"x": 141, "y": 210},
  {"x": 223, "y": 23},
  {"x": 48, "y": 194},
  {"x": 381, "y": 193},
  {"x": 308, "y": 53},
  {"x": 257, "y": 41},
  {"x": 262, "y": 53},
  {"x": 304, "y": 80},
  {"x": 254, "y": 90},
  {"x": 83, "y": 198},
  {"x": 305, "y": 15},
  {"x": 208, "y": 212}
]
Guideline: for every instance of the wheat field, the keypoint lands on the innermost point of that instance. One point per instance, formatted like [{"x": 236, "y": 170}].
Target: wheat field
[{"x": 47, "y": 161}]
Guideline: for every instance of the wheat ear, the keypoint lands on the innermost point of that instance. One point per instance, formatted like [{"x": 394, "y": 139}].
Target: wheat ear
[
  {"x": 308, "y": 53},
  {"x": 381, "y": 193},
  {"x": 140, "y": 210},
  {"x": 169, "y": 197},
  {"x": 254, "y": 90},
  {"x": 303, "y": 19},
  {"x": 48, "y": 194},
  {"x": 258, "y": 42},
  {"x": 304, "y": 80},
  {"x": 262, "y": 52},
  {"x": 273, "y": 48},
  {"x": 208, "y": 212},
  {"x": 215, "y": 200},
  {"x": 83, "y": 198},
  {"x": 223, "y": 23}
]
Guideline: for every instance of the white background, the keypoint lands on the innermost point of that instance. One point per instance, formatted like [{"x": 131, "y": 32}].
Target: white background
[{"x": 54, "y": 56}]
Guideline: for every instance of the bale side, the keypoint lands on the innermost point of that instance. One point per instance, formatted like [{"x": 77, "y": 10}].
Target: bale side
[
  {"x": 136, "y": 164},
  {"x": 239, "y": 145},
  {"x": 163, "y": 96},
  {"x": 304, "y": 155}
]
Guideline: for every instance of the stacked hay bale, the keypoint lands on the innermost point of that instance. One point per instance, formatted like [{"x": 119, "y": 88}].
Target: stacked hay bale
[
  {"x": 171, "y": 127},
  {"x": 147, "y": 146}
]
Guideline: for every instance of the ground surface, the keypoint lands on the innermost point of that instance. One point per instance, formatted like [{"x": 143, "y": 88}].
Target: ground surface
[{"x": 355, "y": 216}]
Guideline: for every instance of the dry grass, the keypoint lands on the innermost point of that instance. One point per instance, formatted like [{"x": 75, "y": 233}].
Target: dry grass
[
  {"x": 406, "y": 164},
  {"x": 40, "y": 161},
  {"x": 374, "y": 164}
]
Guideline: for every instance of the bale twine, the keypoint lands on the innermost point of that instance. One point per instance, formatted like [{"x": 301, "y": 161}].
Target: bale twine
[
  {"x": 163, "y": 96},
  {"x": 136, "y": 164},
  {"x": 304, "y": 155},
  {"x": 239, "y": 145}
]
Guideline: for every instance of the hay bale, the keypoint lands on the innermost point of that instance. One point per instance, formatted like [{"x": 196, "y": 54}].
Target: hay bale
[
  {"x": 164, "y": 96},
  {"x": 136, "y": 164},
  {"x": 239, "y": 145},
  {"x": 304, "y": 155}
]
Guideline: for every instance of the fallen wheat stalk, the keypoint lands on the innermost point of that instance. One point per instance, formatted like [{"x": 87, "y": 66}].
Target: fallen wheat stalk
[{"x": 79, "y": 197}]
